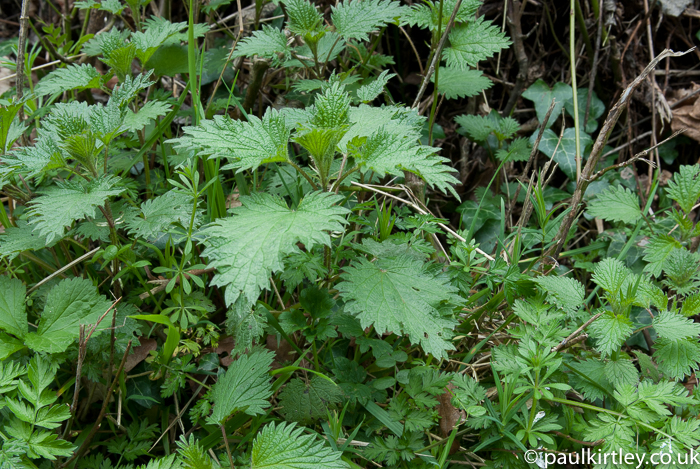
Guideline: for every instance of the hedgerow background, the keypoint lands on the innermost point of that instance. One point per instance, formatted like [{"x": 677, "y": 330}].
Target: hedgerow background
[{"x": 363, "y": 233}]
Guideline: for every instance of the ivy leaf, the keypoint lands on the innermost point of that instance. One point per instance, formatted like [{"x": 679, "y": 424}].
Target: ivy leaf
[
  {"x": 60, "y": 206},
  {"x": 70, "y": 303},
  {"x": 284, "y": 447},
  {"x": 541, "y": 95},
  {"x": 249, "y": 246},
  {"x": 370, "y": 91},
  {"x": 565, "y": 292},
  {"x": 247, "y": 145},
  {"x": 73, "y": 77},
  {"x": 685, "y": 187},
  {"x": 265, "y": 43},
  {"x": 472, "y": 42},
  {"x": 245, "y": 387},
  {"x": 384, "y": 153},
  {"x": 13, "y": 317},
  {"x": 565, "y": 155},
  {"x": 610, "y": 331},
  {"x": 305, "y": 403},
  {"x": 458, "y": 83},
  {"x": 617, "y": 203},
  {"x": 401, "y": 295},
  {"x": 356, "y": 19},
  {"x": 597, "y": 108}
]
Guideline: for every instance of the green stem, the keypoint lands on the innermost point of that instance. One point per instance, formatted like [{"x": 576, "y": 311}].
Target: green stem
[{"x": 572, "y": 58}]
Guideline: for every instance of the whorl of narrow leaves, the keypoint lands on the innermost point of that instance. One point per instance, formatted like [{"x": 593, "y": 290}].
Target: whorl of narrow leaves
[
  {"x": 285, "y": 447},
  {"x": 245, "y": 387},
  {"x": 402, "y": 296},
  {"x": 247, "y": 247}
]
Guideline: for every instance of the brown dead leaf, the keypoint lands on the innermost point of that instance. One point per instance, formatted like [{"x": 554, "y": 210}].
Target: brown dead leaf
[
  {"x": 687, "y": 115},
  {"x": 140, "y": 353},
  {"x": 450, "y": 416}
]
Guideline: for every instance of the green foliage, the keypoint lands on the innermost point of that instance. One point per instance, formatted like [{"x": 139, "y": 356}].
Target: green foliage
[
  {"x": 245, "y": 387},
  {"x": 284, "y": 446},
  {"x": 401, "y": 294},
  {"x": 249, "y": 246},
  {"x": 616, "y": 204},
  {"x": 174, "y": 263}
]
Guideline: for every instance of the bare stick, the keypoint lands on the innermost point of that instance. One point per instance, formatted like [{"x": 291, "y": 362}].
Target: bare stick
[
  {"x": 598, "y": 146},
  {"x": 103, "y": 411},
  {"x": 575, "y": 333},
  {"x": 436, "y": 57}
]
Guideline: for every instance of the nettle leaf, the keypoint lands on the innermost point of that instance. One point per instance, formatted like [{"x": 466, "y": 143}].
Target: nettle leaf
[
  {"x": 370, "y": 91},
  {"x": 541, "y": 95},
  {"x": 677, "y": 358},
  {"x": 245, "y": 387},
  {"x": 246, "y": 145},
  {"x": 621, "y": 372},
  {"x": 518, "y": 150},
  {"x": 473, "y": 42},
  {"x": 401, "y": 295},
  {"x": 673, "y": 326},
  {"x": 158, "y": 214},
  {"x": 105, "y": 43},
  {"x": 246, "y": 324},
  {"x": 148, "y": 112},
  {"x": 610, "y": 331},
  {"x": 685, "y": 187},
  {"x": 247, "y": 247},
  {"x": 427, "y": 14},
  {"x": 458, "y": 83},
  {"x": 305, "y": 402},
  {"x": 565, "y": 292},
  {"x": 477, "y": 127},
  {"x": 73, "y": 77},
  {"x": 284, "y": 447},
  {"x": 67, "y": 202},
  {"x": 657, "y": 251},
  {"x": 19, "y": 239},
  {"x": 396, "y": 120},
  {"x": 70, "y": 303},
  {"x": 565, "y": 155},
  {"x": 303, "y": 18},
  {"x": 266, "y": 43},
  {"x": 356, "y": 19},
  {"x": 157, "y": 32},
  {"x": 617, "y": 203},
  {"x": 13, "y": 317},
  {"x": 384, "y": 153},
  {"x": 610, "y": 274}
]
